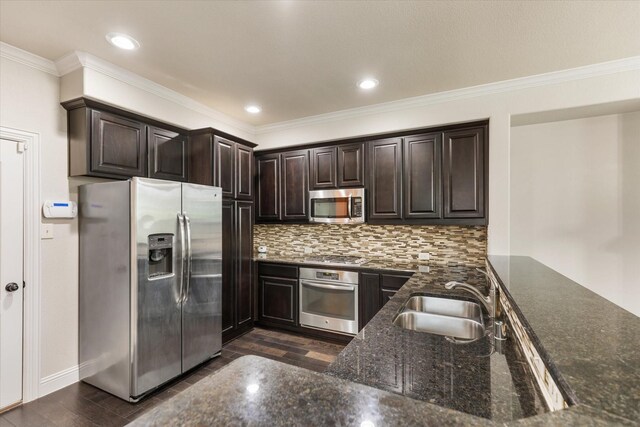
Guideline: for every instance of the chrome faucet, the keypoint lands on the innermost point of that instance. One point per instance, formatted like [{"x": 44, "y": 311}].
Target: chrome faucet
[{"x": 489, "y": 301}]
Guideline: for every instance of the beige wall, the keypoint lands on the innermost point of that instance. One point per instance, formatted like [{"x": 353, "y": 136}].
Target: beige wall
[
  {"x": 29, "y": 101},
  {"x": 575, "y": 201}
]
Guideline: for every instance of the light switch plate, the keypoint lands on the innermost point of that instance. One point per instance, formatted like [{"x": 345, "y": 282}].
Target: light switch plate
[
  {"x": 424, "y": 256},
  {"x": 46, "y": 231}
]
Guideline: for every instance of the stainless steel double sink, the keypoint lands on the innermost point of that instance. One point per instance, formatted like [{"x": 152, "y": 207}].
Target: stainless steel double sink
[{"x": 442, "y": 316}]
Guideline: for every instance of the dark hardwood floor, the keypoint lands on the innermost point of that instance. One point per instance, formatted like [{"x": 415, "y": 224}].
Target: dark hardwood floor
[{"x": 83, "y": 405}]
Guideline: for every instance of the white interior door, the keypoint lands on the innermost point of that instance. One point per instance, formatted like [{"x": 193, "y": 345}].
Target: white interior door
[{"x": 11, "y": 272}]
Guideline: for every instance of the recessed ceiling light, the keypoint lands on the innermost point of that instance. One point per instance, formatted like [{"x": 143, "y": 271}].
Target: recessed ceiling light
[
  {"x": 367, "y": 83},
  {"x": 253, "y": 109},
  {"x": 122, "y": 41}
]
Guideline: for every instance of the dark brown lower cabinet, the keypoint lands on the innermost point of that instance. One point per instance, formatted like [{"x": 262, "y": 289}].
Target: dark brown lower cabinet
[
  {"x": 375, "y": 290},
  {"x": 278, "y": 294},
  {"x": 237, "y": 268}
]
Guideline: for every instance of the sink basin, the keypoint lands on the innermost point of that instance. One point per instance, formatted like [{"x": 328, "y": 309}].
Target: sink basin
[
  {"x": 456, "y": 327},
  {"x": 442, "y": 316},
  {"x": 445, "y": 307}
]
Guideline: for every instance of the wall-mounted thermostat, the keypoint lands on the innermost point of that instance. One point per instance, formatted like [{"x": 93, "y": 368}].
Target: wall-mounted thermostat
[{"x": 59, "y": 209}]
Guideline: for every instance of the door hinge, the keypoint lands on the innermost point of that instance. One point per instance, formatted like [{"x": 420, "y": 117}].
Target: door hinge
[{"x": 22, "y": 147}]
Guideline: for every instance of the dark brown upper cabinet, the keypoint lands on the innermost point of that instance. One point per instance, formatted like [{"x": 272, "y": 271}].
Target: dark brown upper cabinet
[
  {"x": 339, "y": 166},
  {"x": 168, "y": 157},
  {"x": 322, "y": 168},
  {"x": 201, "y": 158},
  {"x": 295, "y": 185},
  {"x": 244, "y": 172},
  {"x": 422, "y": 158},
  {"x": 351, "y": 165},
  {"x": 268, "y": 188},
  {"x": 108, "y": 142},
  {"x": 385, "y": 179},
  {"x": 464, "y": 157},
  {"x": 282, "y": 186},
  {"x": 433, "y": 176},
  {"x": 224, "y": 160},
  {"x": 118, "y": 145}
]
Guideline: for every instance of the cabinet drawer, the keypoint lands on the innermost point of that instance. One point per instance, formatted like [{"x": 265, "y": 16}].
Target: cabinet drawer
[
  {"x": 278, "y": 270},
  {"x": 392, "y": 281}
]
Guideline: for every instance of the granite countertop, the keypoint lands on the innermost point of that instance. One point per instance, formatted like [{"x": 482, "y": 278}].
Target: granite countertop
[
  {"x": 371, "y": 264},
  {"x": 470, "y": 378},
  {"x": 592, "y": 344},
  {"x": 257, "y": 391},
  {"x": 420, "y": 379}
]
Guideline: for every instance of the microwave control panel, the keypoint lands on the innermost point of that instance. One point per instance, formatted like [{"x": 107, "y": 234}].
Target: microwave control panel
[{"x": 356, "y": 210}]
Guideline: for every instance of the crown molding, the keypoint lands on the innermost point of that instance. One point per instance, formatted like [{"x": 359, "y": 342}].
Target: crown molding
[
  {"x": 27, "y": 58},
  {"x": 554, "y": 77},
  {"x": 68, "y": 63},
  {"x": 79, "y": 59}
]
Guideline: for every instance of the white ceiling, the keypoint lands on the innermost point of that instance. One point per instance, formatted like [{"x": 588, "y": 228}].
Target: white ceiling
[{"x": 299, "y": 59}]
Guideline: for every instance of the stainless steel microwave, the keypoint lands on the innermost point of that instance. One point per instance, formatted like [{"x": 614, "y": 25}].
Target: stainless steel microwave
[{"x": 344, "y": 206}]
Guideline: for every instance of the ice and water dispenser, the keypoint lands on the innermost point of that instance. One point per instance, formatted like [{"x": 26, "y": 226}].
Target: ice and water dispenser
[{"x": 160, "y": 255}]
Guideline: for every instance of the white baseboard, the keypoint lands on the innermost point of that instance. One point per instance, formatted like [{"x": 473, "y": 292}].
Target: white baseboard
[{"x": 55, "y": 382}]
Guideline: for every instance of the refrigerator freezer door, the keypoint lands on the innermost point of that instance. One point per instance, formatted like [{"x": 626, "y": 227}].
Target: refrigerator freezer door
[
  {"x": 202, "y": 307},
  {"x": 155, "y": 299}
]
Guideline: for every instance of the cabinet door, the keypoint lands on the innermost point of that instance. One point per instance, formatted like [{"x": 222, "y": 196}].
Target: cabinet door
[
  {"x": 268, "y": 187},
  {"x": 369, "y": 289},
  {"x": 118, "y": 145},
  {"x": 295, "y": 185},
  {"x": 463, "y": 163},
  {"x": 201, "y": 159},
  {"x": 244, "y": 172},
  {"x": 168, "y": 157},
  {"x": 278, "y": 300},
  {"x": 224, "y": 165},
  {"x": 422, "y": 196},
  {"x": 244, "y": 268},
  {"x": 351, "y": 165},
  {"x": 322, "y": 168},
  {"x": 228, "y": 270},
  {"x": 385, "y": 179}
]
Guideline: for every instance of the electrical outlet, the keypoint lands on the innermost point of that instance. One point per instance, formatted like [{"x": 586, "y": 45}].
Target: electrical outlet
[
  {"x": 308, "y": 250},
  {"x": 46, "y": 231},
  {"x": 423, "y": 268},
  {"x": 423, "y": 256}
]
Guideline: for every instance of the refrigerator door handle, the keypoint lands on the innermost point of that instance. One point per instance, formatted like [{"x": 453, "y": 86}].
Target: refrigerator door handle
[
  {"x": 188, "y": 271},
  {"x": 182, "y": 258}
]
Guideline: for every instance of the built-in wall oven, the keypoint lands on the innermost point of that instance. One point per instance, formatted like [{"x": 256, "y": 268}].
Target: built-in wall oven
[
  {"x": 345, "y": 206},
  {"x": 329, "y": 300}
]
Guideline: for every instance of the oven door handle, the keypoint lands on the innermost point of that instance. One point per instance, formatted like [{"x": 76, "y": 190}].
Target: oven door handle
[{"x": 332, "y": 287}]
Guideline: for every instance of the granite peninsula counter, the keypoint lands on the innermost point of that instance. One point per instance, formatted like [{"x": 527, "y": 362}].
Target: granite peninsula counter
[{"x": 391, "y": 376}]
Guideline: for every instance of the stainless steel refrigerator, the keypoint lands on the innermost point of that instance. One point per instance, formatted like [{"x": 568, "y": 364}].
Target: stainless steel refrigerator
[{"x": 150, "y": 282}]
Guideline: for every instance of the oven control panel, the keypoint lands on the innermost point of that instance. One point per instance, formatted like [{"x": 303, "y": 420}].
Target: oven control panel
[{"x": 326, "y": 275}]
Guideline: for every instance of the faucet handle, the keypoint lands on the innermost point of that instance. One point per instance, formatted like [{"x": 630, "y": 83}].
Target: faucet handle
[{"x": 452, "y": 284}]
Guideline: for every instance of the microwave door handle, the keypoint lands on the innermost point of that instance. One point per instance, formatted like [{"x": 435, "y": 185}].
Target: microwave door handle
[
  {"x": 332, "y": 287},
  {"x": 349, "y": 208}
]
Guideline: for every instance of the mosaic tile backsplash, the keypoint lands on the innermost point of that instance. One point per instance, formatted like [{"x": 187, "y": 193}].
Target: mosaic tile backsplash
[{"x": 446, "y": 244}]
